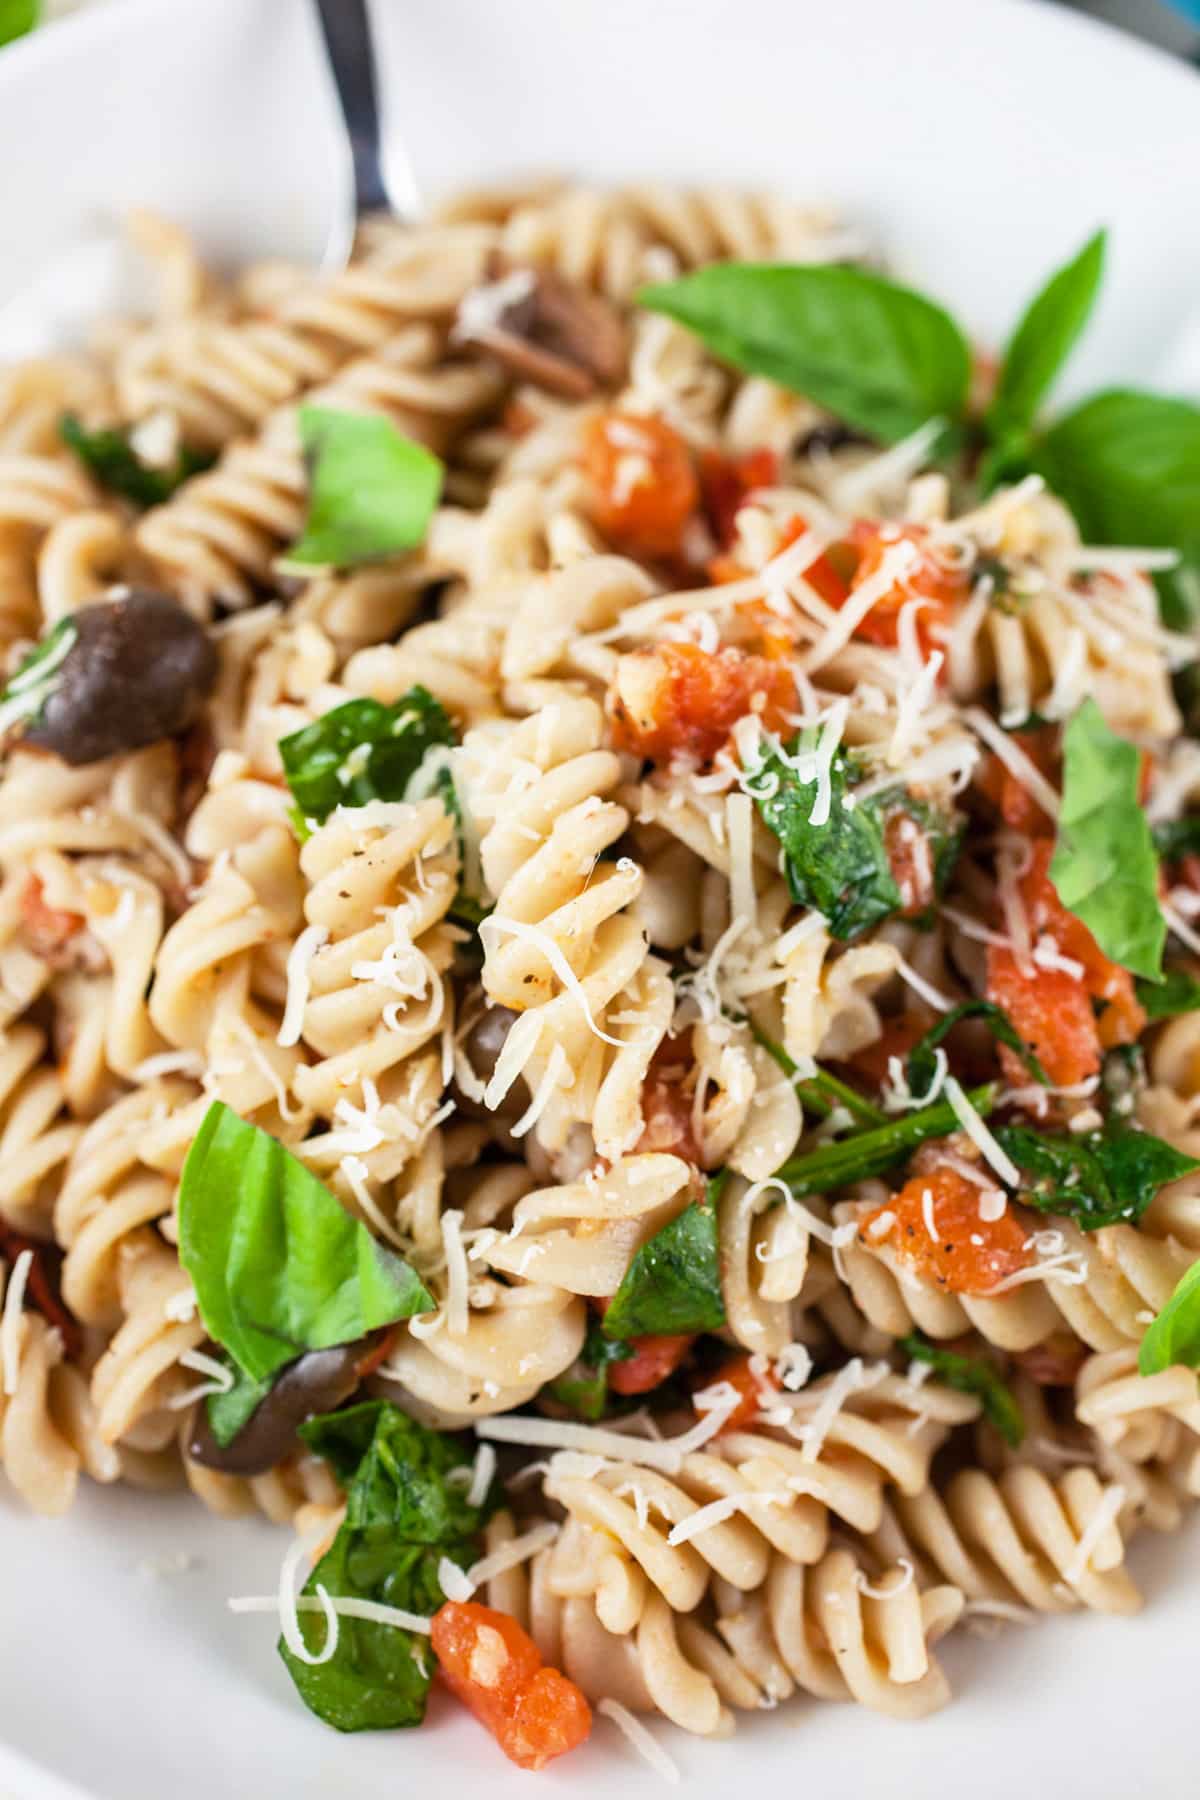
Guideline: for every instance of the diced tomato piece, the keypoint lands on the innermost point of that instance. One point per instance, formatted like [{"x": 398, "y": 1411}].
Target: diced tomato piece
[
  {"x": 753, "y": 1388},
  {"x": 1011, "y": 798},
  {"x": 1052, "y": 1012},
  {"x": 1055, "y": 1003},
  {"x": 668, "y": 1123},
  {"x": 643, "y": 485},
  {"x": 910, "y": 857},
  {"x": 941, "y": 587},
  {"x": 966, "y": 1254},
  {"x": 830, "y": 574},
  {"x": 680, "y": 700},
  {"x": 495, "y": 1668},
  {"x": 48, "y": 929},
  {"x": 725, "y": 483},
  {"x": 653, "y": 1359}
]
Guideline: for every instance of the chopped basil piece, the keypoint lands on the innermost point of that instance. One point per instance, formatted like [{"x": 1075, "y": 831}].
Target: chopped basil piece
[
  {"x": 1174, "y": 1337},
  {"x": 372, "y": 491},
  {"x": 1105, "y": 868},
  {"x": 1177, "y": 992},
  {"x": 673, "y": 1284}
]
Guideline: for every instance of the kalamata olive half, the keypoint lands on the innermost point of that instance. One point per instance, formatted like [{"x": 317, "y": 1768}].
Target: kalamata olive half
[
  {"x": 138, "y": 669},
  {"x": 315, "y": 1383}
]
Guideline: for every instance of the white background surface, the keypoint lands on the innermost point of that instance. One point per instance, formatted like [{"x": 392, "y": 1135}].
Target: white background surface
[{"x": 983, "y": 140}]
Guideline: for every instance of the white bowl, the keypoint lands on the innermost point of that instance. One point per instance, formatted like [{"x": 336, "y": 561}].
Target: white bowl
[{"x": 981, "y": 142}]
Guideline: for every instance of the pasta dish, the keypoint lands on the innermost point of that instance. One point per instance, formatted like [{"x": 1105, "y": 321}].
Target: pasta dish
[{"x": 599, "y": 961}]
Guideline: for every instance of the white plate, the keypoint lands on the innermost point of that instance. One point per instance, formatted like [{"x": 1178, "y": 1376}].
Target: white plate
[{"x": 982, "y": 141}]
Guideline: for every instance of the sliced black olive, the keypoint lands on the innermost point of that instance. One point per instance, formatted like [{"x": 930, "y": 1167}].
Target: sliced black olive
[
  {"x": 547, "y": 331},
  {"x": 136, "y": 669},
  {"x": 482, "y": 1046},
  {"x": 315, "y": 1383}
]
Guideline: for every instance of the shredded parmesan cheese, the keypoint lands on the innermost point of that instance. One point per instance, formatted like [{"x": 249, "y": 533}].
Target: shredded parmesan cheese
[
  {"x": 10, "y": 1324},
  {"x": 642, "y": 1739},
  {"x": 980, "y": 1136},
  {"x": 1101, "y": 1521}
]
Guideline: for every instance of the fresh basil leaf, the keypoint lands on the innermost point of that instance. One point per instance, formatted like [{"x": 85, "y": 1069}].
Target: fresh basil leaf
[
  {"x": 971, "y": 1375},
  {"x": 879, "y": 356},
  {"x": 1128, "y": 466},
  {"x": 1045, "y": 337},
  {"x": 37, "y": 676},
  {"x": 362, "y": 751},
  {"x": 403, "y": 1514},
  {"x": 108, "y": 455},
  {"x": 583, "y": 1388},
  {"x": 229, "y": 1411},
  {"x": 371, "y": 491},
  {"x": 1177, "y": 992},
  {"x": 279, "y": 1267},
  {"x": 17, "y": 17},
  {"x": 868, "y": 1153},
  {"x": 673, "y": 1284},
  {"x": 921, "y": 1068},
  {"x": 1104, "y": 1177},
  {"x": 1174, "y": 1337},
  {"x": 820, "y": 1094},
  {"x": 1104, "y": 867}
]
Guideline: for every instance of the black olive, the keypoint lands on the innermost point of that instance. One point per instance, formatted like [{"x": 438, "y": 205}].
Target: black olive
[
  {"x": 482, "y": 1046},
  {"x": 823, "y": 440},
  {"x": 316, "y": 1382},
  {"x": 138, "y": 669}
]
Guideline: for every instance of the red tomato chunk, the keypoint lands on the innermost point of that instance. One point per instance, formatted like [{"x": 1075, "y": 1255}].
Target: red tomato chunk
[
  {"x": 679, "y": 700},
  {"x": 965, "y": 1254},
  {"x": 495, "y": 1668}
]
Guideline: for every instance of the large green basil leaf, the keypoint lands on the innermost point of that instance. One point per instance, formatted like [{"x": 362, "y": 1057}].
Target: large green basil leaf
[
  {"x": 279, "y": 1267},
  {"x": 1105, "y": 869},
  {"x": 371, "y": 490},
  {"x": 881, "y": 357},
  {"x": 1045, "y": 337},
  {"x": 362, "y": 751}
]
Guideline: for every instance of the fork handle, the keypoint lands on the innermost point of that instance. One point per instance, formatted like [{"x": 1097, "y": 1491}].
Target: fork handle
[{"x": 346, "y": 29}]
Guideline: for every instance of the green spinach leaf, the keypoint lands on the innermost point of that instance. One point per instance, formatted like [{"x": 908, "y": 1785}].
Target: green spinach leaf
[
  {"x": 110, "y": 457},
  {"x": 921, "y": 1067},
  {"x": 279, "y": 1267},
  {"x": 1174, "y": 1337},
  {"x": 1128, "y": 466},
  {"x": 840, "y": 867},
  {"x": 1045, "y": 337},
  {"x": 371, "y": 491},
  {"x": 673, "y": 1284},
  {"x": 403, "y": 1514},
  {"x": 879, "y": 356},
  {"x": 1104, "y": 866},
  {"x": 1097, "y": 1178},
  {"x": 972, "y": 1375},
  {"x": 362, "y": 751},
  {"x": 868, "y": 1153}
]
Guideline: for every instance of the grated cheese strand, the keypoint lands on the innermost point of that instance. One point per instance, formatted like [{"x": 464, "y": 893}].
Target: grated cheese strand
[
  {"x": 299, "y": 959},
  {"x": 10, "y": 1325},
  {"x": 1104, "y": 1517},
  {"x": 642, "y": 1739},
  {"x": 980, "y": 1136}
]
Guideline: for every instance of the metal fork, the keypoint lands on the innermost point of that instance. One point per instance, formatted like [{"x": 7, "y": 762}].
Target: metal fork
[{"x": 383, "y": 177}]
